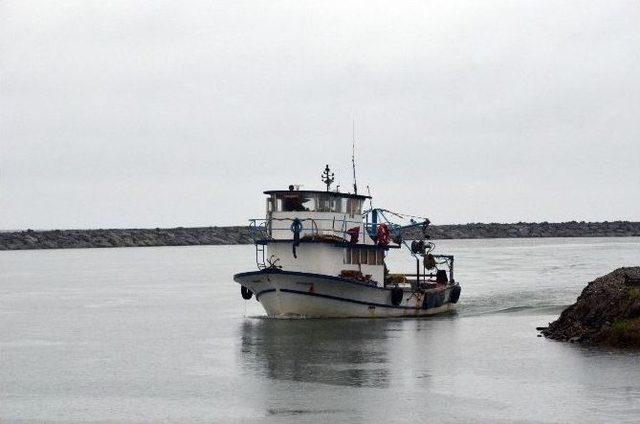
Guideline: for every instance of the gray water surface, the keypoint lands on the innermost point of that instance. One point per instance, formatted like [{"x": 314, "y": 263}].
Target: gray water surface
[{"x": 162, "y": 334}]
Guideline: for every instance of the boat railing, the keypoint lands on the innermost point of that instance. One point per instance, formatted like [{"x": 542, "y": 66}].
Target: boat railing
[
  {"x": 327, "y": 229},
  {"x": 442, "y": 261},
  {"x": 261, "y": 230}
]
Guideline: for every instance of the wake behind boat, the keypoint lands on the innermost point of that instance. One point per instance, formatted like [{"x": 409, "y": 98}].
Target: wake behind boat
[{"x": 319, "y": 254}]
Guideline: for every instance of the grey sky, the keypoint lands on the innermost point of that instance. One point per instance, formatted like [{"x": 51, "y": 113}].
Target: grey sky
[{"x": 151, "y": 113}]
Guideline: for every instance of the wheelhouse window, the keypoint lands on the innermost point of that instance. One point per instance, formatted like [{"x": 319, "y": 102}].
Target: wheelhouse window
[
  {"x": 353, "y": 206},
  {"x": 323, "y": 202},
  {"x": 298, "y": 201},
  {"x": 294, "y": 202}
]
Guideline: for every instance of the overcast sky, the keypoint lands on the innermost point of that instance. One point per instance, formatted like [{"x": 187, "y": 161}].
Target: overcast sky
[{"x": 153, "y": 113}]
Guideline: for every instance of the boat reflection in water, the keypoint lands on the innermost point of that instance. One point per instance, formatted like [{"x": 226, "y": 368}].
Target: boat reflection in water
[{"x": 336, "y": 352}]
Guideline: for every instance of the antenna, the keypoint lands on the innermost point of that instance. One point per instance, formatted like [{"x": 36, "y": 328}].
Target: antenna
[
  {"x": 327, "y": 177},
  {"x": 353, "y": 157}
]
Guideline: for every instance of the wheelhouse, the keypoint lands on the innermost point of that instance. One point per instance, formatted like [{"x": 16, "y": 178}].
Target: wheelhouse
[{"x": 314, "y": 201}]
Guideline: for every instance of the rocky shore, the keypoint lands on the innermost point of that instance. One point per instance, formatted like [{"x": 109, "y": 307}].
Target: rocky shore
[
  {"x": 606, "y": 313},
  {"x": 63, "y": 239}
]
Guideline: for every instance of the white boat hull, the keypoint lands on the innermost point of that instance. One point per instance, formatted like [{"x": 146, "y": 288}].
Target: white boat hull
[{"x": 305, "y": 295}]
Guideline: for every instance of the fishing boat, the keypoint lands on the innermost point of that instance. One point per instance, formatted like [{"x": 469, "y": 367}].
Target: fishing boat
[{"x": 319, "y": 254}]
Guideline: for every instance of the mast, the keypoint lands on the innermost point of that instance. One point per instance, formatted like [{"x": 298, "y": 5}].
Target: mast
[{"x": 353, "y": 157}]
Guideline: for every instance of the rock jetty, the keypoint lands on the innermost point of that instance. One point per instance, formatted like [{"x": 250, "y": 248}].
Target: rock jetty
[
  {"x": 62, "y": 239},
  {"x": 606, "y": 313},
  {"x": 65, "y": 239},
  {"x": 535, "y": 229}
]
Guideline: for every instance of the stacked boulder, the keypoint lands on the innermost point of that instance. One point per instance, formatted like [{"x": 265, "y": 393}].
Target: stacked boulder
[{"x": 606, "y": 313}]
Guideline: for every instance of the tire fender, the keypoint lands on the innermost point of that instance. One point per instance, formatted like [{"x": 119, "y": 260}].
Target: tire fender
[
  {"x": 396, "y": 296},
  {"x": 246, "y": 293}
]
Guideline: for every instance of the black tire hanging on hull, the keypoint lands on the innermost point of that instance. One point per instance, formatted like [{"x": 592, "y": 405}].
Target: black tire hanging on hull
[
  {"x": 246, "y": 293},
  {"x": 396, "y": 296},
  {"x": 455, "y": 294}
]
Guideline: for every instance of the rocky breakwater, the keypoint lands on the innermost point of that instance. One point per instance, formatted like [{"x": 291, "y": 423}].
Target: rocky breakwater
[
  {"x": 606, "y": 313},
  {"x": 66, "y": 239},
  {"x": 60, "y": 239},
  {"x": 532, "y": 229}
]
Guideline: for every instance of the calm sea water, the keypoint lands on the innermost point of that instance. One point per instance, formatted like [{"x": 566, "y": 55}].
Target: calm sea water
[{"x": 162, "y": 334}]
